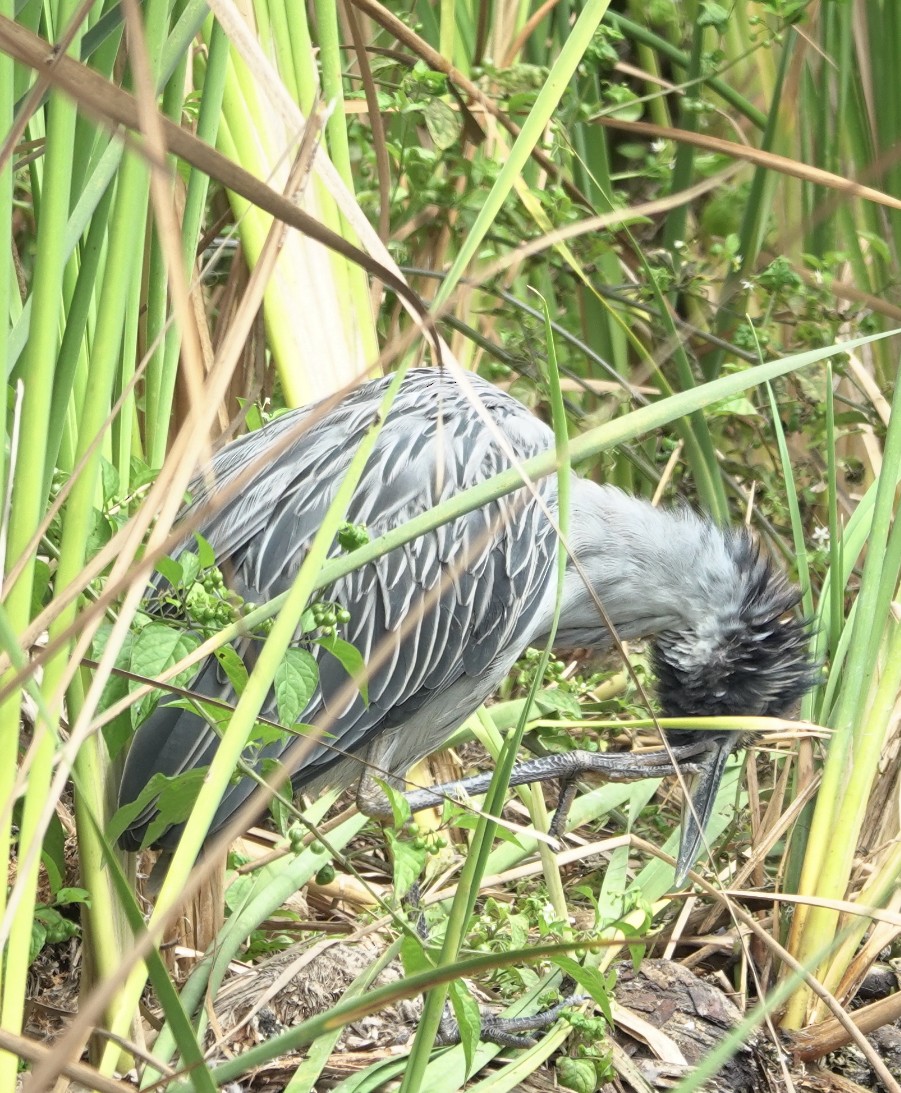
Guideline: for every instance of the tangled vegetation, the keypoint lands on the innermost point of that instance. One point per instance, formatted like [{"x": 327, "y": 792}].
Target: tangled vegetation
[{"x": 688, "y": 212}]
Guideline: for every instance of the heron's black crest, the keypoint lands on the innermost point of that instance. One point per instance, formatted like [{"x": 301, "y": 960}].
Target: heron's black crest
[{"x": 747, "y": 655}]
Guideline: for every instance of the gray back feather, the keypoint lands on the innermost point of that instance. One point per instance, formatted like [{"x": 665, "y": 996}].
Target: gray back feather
[{"x": 424, "y": 616}]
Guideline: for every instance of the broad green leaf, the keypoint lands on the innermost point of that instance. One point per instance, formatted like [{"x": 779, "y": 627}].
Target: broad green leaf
[
  {"x": 53, "y": 855},
  {"x": 413, "y": 956},
  {"x": 400, "y": 806},
  {"x": 190, "y": 567},
  {"x": 351, "y": 661},
  {"x": 590, "y": 979},
  {"x": 38, "y": 939},
  {"x": 170, "y": 569},
  {"x": 173, "y": 797},
  {"x": 73, "y": 895},
  {"x": 118, "y": 732},
  {"x": 408, "y": 863},
  {"x": 233, "y": 666},
  {"x": 579, "y": 1075},
  {"x": 205, "y": 553},
  {"x": 295, "y": 681},
  {"x": 443, "y": 124},
  {"x": 468, "y": 1018},
  {"x": 109, "y": 478},
  {"x": 555, "y": 700},
  {"x": 40, "y": 586},
  {"x": 157, "y": 647}
]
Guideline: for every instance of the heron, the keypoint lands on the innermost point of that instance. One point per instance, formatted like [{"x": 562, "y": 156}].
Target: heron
[{"x": 441, "y": 620}]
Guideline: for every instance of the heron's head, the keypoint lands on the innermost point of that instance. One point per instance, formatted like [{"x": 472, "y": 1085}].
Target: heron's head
[{"x": 745, "y": 652}]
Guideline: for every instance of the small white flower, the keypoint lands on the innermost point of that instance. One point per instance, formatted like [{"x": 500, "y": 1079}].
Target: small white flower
[
  {"x": 820, "y": 538},
  {"x": 746, "y": 284},
  {"x": 657, "y": 146},
  {"x": 678, "y": 244}
]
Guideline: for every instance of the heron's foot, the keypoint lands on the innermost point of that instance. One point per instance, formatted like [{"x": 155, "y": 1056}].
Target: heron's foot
[
  {"x": 506, "y": 1031},
  {"x": 622, "y": 766}
]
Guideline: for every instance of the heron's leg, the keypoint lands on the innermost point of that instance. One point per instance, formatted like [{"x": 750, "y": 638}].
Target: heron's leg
[{"x": 566, "y": 766}]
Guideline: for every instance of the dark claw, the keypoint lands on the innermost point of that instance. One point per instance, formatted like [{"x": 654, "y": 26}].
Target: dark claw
[{"x": 568, "y": 789}]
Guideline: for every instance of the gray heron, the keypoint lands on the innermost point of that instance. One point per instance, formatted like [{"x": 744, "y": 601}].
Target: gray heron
[{"x": 442, "y": 620}]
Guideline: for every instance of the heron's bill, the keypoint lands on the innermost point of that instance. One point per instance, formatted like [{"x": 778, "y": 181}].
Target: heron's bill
[{"x": 702, "y": 790}]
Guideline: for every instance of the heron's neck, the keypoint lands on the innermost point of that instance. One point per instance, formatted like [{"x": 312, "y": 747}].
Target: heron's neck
[{"x": 652, "y": 569}]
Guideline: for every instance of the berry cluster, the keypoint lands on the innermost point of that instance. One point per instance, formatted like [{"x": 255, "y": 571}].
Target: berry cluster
[{"x": 326, "y": 616}]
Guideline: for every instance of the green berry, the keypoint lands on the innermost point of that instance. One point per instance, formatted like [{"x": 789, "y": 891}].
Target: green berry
[{"x": 352, "y": 536}]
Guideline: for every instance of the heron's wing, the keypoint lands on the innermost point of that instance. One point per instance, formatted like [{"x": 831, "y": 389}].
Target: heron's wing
[{"x": 449, "y": 605}]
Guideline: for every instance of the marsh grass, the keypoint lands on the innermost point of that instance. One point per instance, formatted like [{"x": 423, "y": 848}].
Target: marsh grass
[{"x": 706, "y": 202}]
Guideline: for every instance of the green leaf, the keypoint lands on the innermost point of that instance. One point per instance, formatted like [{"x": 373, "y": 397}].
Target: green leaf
[
  {"x": 263, "y": 734},
  {"x": 351, "y": 660},
  {"x": 173, "y": 810},
  {"x": 713, "y": 15},
  {"x": 215, "y": 715},
  {"x": 109, "y": 478},
  {"x": 119, "y": 731},
  {"x": 38, "y": 939},
  {"x": 100, "y": 534},
  {"x": 53, "y": 854},
  {"x": 205, "y": 553},
  {"x": 400, "y": 806},
  {"x": 295, "y": 681},
  {"x": 352, "y": 536},
  {"x": 408, "y": 863},
  {"x": 58, "y": 927},
  {"x": 170, "y": 569},
  {"x": 471, "y": 822},
  {"x": 173, "y": 797},
  {"x": 413, "y": 956},
  {"x": 555, "y": 700},
  {"x": 190, "y": 567},
  {"x": 67, "y": 896},
  {"x": 590, "y": 979},
  {"x": 737, "y": 406},
  {"x": 281, "y": 814},
  {"x": 233, "y": 667},
  {"x": 577, "y": 1074},
  {"x": 443, "y": 124},
  {"x": 468, "y": 1017},
  {"x": 253, "y": 419},
  {"x": 157, "y": 647},
  {"x": 40, "y": 586},
  {"x": 238, "y": 893},
  {"x": 626, "y": 104}
]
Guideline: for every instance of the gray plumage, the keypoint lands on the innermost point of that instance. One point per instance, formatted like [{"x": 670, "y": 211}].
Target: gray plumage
[{"x": 442, "y": 620}]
